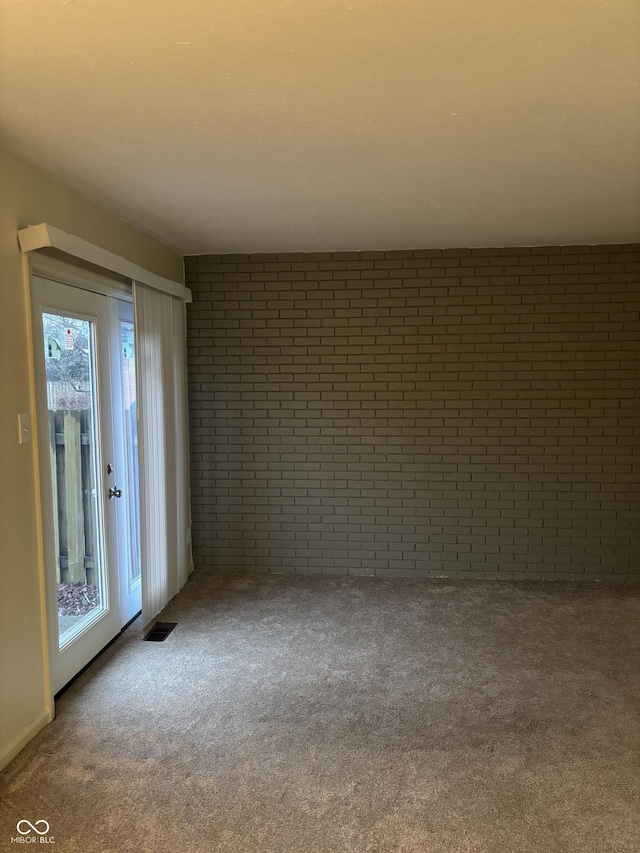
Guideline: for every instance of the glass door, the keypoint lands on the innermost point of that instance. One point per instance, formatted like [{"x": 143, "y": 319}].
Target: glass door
[
  {"x": 83, "y": 473},
  {"x": 125, "y": 416}
]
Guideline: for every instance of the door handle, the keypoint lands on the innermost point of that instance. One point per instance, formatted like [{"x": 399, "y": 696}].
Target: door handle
[{"x": 115, "y": 493}]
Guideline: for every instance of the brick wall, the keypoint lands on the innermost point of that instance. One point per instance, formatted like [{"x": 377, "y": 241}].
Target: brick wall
[{"x": 461, "y": 413}]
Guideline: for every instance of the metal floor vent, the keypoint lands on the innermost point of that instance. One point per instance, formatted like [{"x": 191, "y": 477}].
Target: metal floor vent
[{"x": 160, "y": 631}]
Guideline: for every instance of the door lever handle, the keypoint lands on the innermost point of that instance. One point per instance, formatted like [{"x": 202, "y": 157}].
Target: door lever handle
[{"x": 115, "y": 493}]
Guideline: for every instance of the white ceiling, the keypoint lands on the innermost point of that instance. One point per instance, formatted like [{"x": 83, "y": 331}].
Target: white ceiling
[{"x": 284, "y": 125}]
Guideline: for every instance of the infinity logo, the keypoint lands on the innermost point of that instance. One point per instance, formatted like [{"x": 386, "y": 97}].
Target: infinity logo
[{"x": 33, "y": 826}]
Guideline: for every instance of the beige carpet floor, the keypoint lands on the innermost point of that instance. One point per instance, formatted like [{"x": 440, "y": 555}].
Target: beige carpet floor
[{"x": 291, "y": 714}]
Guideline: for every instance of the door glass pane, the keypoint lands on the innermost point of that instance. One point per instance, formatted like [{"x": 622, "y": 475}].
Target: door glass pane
[
  {"x": 69, "y": 348},
  {"x": 129, "y": 405}
]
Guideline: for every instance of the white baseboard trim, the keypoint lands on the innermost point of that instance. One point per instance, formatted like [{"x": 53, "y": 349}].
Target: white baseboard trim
[{"x": 18, "y": 743}]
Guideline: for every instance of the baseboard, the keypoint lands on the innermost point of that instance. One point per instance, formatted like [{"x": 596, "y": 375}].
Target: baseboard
[
  {"x": 18, "y": 743},
  {"x": 604, "y": 578}
]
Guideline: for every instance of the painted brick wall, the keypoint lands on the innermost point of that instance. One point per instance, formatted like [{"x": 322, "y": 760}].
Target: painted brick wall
[{"x": 454, "y": 412}]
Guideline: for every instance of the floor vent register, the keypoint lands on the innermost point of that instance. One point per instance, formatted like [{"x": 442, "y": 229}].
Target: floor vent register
[{"x": 160, "y": 631}]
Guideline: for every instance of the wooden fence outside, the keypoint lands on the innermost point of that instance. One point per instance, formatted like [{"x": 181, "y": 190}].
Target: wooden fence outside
[{"x": 74, "y": 495}]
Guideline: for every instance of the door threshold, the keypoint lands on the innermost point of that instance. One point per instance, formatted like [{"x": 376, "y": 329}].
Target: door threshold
[{"x": 95, "y": 657}]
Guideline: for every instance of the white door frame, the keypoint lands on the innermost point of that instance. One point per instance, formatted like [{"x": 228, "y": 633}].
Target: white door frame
[{"x": 89, "y": 299}]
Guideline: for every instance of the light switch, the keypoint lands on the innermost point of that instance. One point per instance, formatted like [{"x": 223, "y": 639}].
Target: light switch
[{"x": 24, "y": 426}]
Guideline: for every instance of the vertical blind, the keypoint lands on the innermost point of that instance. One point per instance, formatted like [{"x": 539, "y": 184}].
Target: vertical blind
[{"x": 165, "y": 547}]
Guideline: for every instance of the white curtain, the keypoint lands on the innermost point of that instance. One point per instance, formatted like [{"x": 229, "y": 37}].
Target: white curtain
[{"x": 165, "y": 541}]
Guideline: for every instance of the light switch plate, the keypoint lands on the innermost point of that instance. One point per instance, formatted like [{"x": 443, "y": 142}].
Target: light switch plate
[{"x": 24, "y": 427}]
